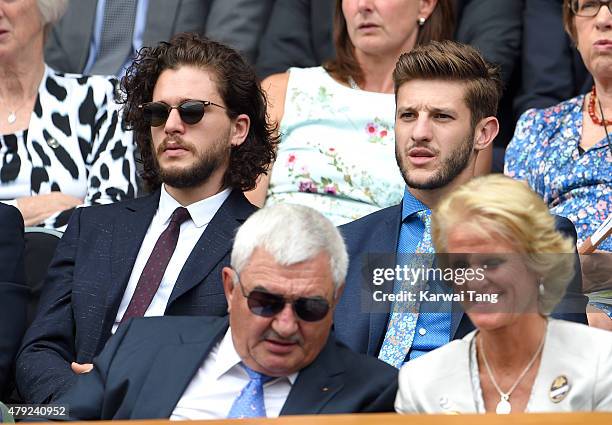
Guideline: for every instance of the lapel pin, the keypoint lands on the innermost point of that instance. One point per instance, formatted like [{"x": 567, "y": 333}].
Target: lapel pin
[
  {"x": 559, "y": 389},
  {"x": 325, "y": 389}
]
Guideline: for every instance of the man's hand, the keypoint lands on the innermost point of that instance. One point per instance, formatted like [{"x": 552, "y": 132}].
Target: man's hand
[{"x": 81, "y": 368}]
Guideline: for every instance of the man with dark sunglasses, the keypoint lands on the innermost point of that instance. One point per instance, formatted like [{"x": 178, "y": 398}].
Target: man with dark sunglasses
[
  {"x": 275, "y": 355},
  {"x": 198, "y": 116}
]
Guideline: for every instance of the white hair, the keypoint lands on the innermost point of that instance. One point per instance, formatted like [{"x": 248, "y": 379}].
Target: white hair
[
  {"x": 52, "y": 10},
  {"x": 291, "y": 234}
]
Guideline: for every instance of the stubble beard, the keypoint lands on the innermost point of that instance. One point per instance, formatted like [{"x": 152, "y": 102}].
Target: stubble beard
[
  {"x": 205, "y": 164},
  {"x": 452, "y": 166}
]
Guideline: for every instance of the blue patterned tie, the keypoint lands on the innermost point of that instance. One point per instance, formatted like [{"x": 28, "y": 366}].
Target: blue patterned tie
[
  {"x": 250, "y": 401},
  {"x": 404, "y": 314}
]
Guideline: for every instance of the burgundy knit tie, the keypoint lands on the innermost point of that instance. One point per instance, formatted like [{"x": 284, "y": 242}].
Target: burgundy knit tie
[{"x": 156, "y": 266}]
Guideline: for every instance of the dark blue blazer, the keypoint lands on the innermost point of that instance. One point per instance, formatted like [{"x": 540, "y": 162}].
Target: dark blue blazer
[
  {"x": 87, "y": 279},
  {"x": 13, "y": 291},
  {"x": 363, "y": 330},
  {"x": 147, "y": 365}
]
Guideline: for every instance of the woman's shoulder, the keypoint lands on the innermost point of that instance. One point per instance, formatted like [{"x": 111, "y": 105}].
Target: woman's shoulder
[
  {"x": 81, "y": 79},
  {"x": 316, "y": 76},
  {"x": 555, "y": 114},
  {"x": 580, "y": 335},
  {"x": 59, "y": 81},
  {"x": 443, "y": 361},
  {"x": 313, "y": 70}
]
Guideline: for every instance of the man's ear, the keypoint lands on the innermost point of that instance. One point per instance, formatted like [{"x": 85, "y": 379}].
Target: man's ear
[
  {"x": 240, "y": 129},
  {"x": 228, "y": 285},
  {"x": 485, "y": 132},
  {"x": 337, "y": 294}
]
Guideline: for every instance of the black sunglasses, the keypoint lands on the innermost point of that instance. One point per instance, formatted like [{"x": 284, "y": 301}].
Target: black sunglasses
[
  {"x": 190, "y": 111},
  {"x": 267, "y": 304}
]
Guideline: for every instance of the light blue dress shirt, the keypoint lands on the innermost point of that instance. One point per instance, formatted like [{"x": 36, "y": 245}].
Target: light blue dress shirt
[
  {"x": 432, "y": 328},
  {"x": 139, "y": 27}
]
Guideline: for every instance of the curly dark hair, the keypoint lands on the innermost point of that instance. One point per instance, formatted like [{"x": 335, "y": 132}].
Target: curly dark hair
[{"x": 238, "y": 86}]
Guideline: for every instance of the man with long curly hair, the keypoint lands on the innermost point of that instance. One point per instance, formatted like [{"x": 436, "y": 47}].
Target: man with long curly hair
[{"x": 199, "y": 119}]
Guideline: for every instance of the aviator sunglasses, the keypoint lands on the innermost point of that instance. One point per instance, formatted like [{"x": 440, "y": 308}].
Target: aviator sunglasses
[
  {"x": 190, "y": 111},
  {"x": 267, "y": 304}
]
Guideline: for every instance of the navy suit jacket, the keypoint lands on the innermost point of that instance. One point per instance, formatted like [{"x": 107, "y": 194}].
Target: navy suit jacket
[
  {"x": 147, "y": 365},
  {"x": 13, "y": 291},
  {"x": 87, "y": 279},
  {"x": 377, "y": 234}
]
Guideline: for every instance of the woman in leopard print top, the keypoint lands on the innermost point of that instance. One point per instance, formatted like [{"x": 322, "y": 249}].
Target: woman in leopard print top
[{"x": 61, "y": 141}]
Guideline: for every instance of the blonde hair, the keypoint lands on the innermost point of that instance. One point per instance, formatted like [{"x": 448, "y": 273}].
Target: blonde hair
[{"x": 510, "y": 210}]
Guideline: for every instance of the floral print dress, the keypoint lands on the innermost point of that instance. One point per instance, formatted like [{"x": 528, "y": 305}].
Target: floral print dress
[
  {"x": 337, "y": 152},
  {"x": 575, "y": 184}
]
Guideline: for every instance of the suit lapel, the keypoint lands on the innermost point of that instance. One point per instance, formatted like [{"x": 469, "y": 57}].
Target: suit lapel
[
  {"x": 316, "y": 384},
  {"x": 378, "y": 321},
  {"x": 129, "y": 231},
  {"x": 174, "y": 368},
  {"x": 160, "y": 16},
  {"x": 214, "y": 244}
]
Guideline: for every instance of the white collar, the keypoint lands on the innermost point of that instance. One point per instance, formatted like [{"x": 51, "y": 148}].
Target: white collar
[
  {"x": 228, "y": 358},
  {"x": 201, "y": 212}
]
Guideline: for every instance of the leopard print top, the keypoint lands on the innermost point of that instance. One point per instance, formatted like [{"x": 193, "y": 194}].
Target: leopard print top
[{"x": 74, "y": 144}]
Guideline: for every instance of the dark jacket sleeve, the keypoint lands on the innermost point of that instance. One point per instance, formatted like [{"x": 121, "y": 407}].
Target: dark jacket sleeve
[
  {"x": 385, "y": 401},
  {"x": 86, "y": 398},
  {"x": 289, "y": 40},
  {"x": 494, "y": 28},
  {"x": 13, "y": 291},
  {"x": 551, "y": 68},
  {"x": 43, "y": 364}
]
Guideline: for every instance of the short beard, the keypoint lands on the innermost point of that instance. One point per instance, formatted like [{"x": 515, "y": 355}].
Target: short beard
[
  {"x": 207, "y": 162},
  {"x": 456, "y": 162}
]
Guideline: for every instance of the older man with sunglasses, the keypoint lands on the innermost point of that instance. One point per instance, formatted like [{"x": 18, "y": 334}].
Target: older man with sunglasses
[
  {"x": 275, "y": 355},
  {"x": 198, "y": 116}
]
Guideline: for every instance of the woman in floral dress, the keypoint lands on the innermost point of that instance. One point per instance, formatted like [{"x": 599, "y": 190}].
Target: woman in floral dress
[{"x": 564, "y": 152}]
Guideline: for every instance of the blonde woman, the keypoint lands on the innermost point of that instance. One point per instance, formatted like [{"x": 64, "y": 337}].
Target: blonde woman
[{"x": 517, "y": 359}]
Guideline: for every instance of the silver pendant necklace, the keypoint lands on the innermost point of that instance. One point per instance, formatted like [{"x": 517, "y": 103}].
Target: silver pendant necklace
[
  {"x": 503, "y": 406},
  {"x": 12, "y": 115}
]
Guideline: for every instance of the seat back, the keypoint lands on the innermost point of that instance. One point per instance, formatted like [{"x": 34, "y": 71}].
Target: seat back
[{"x": 40, "y": 244}]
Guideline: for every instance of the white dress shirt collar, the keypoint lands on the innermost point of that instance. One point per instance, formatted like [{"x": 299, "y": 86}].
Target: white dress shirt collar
[
  {"x": 201, "y": 212},
  {"x": 228, "y": 358}
]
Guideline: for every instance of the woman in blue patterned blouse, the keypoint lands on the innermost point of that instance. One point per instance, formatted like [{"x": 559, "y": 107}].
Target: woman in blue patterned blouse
[{"x": 564, "y": 152}]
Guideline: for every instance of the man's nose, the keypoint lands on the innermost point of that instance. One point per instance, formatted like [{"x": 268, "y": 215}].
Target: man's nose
[
  {"x": 285, "y": 322},
  {"x": 174, "y": 123},
  {"x": 422, "y": 130}
]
